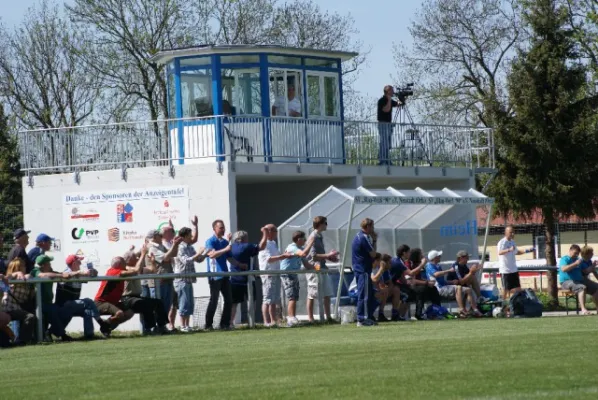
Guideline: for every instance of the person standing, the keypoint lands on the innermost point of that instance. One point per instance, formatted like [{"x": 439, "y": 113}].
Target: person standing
[
  {"x": 21, "y": 238},
  {"x": 385, "y": 106},
  {"x": 219, "y": 252},
  {"x": 43, "y": 244},
  {"x": 507, "y": 263},
  {"x": 363, "y": 251},
  {"x": 243, "y": 252},
  {"x": 317, "y": 258}
]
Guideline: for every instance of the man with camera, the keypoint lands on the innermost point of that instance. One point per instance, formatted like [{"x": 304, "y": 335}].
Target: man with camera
[{"x": 385, "y": 106}]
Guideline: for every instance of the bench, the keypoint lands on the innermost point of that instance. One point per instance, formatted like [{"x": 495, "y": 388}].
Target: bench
[{"x": 568, "y": 295}]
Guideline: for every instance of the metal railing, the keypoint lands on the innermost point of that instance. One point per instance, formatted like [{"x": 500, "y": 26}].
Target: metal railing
[
  {"x": 251, "y": 139},
  {"x": 249, "y": 274}
]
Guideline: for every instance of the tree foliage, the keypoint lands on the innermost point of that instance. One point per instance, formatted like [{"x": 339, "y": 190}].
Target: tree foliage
[
  {"x": 548, "y": 144},
  {"x": 41, "y": 78},
  {"x": 10, "y": 180}
]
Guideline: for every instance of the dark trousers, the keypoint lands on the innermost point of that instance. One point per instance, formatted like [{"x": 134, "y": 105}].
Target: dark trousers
[
  {"x": 27, "y": 323},
  {"x": 217, "y": 287},
  {"x": 53, "y": 316},
  {"x": 366, "y": 303},
  {"x": 152, "y": 311},
  {"x": 425, "y": 294},
  {"x": 385, "y": 134}
]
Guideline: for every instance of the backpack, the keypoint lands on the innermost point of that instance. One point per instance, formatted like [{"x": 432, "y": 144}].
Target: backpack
[
  {"x": 436, "y": 312},
  {"x": 525, "y": 304}
]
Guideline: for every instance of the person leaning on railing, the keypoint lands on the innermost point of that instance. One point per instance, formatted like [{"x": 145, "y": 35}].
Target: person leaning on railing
[{"x": 16, "y": 301}]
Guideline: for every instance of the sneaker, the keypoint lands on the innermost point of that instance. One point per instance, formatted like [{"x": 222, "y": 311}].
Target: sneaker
[
  {"x": 185, "y": 329},
  {"x": 373, "y": 322},
  {"x": 292, "y": 321},
  {"x": 365, "y": 322},
  {"x": 105, "y": 329},
  {"x": 66, "y": 338},
  {"x": 266, "y": 325},
  {"x": 382, "y": 318}
]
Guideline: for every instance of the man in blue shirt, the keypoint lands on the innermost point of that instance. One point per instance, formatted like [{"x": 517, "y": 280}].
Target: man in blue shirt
[
  {"x": 43, "y": 243},
  {"x": 242, "y": 252},
  {"x": 219, "y": 253},
  {"x": 588, "y": 267},
  {"x": 571, "y": 276},
  {"x": 363, "y": 254}
]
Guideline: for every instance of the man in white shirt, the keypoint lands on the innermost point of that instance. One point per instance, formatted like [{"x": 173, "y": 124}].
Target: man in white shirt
[
  {"x": 279, "y": 109},
  {"x": 507, "y": 264},
  {"x": 270, "y": 259}
]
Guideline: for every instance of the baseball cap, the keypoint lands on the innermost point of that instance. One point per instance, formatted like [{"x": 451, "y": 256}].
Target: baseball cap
[
  {"x": 42, "y": 237},
  {"x": 151, "y": 234},
  {"x": 462, "y": 253},
  {"x": 20, "y": 232},
  {"x": 43, "y": 259},
  {"x": 433, "y": 254},
  {"x": 72, "y": 258}
]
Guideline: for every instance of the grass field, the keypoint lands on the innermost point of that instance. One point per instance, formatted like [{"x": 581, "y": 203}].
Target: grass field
[{"x": 552, "y": 358}]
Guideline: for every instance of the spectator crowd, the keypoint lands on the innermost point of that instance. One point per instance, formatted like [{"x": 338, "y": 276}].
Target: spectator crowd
[{"x": 380, "y": 280}]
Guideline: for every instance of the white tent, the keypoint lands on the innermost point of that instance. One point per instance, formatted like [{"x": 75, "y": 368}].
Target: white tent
[{"x": 429, "y": 219}]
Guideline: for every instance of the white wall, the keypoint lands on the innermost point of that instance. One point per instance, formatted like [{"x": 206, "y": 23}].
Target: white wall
[{"x": 211, "y": 196}]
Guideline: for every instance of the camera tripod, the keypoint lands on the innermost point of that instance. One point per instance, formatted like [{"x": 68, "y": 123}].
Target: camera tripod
[{"x": 403, "y": 118}]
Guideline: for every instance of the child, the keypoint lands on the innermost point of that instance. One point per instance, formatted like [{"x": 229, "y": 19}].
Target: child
[{"x": 296, "y": 252}]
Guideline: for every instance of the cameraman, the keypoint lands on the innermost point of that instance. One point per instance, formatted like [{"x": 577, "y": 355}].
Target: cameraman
[{"x": 385, "y": 106}]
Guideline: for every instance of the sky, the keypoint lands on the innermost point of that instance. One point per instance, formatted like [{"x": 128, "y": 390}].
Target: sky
[{"x": 380, "y": 26}]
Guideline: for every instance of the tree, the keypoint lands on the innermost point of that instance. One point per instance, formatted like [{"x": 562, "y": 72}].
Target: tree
[
  {"x": 548, "y": 144},
  {"x": 460, "y": 59},
  {"x": 10, "y": 180},
  {"x": 41, "y": 79}
]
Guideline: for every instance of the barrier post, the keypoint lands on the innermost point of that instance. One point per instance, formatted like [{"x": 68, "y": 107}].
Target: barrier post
[
  {"x": 158, "y": 288},
  {"x": 38, "y": 312},
  {"x": 251, "y": 299}
]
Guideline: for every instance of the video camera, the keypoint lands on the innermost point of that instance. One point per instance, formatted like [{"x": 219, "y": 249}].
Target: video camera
[{"x": 402, "y": 93}]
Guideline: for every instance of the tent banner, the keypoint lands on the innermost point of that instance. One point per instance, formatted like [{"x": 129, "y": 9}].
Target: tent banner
[{"x": 397, "y": 200}]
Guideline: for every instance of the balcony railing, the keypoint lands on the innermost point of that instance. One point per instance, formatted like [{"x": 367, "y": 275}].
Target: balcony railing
[{"x": 251, "y": 139}]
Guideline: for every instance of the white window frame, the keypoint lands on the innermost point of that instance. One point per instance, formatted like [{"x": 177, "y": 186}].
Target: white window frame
[
  {"x": 321, "y": 75},
  {"x": 299, "y": 86}
]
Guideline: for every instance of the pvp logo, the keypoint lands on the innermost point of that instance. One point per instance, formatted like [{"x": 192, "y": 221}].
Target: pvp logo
[{"x": 80, "y": 233}]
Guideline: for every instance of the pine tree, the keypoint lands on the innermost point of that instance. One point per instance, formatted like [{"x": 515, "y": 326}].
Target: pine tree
[
  {"x": 11, "y": 215},
  {"x": 548, "y": 148}
]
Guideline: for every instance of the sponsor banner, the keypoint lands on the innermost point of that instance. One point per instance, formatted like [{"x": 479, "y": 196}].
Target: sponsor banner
[
  {"x": 397, "y": 200},
  {"x": 100, "y": 225}
]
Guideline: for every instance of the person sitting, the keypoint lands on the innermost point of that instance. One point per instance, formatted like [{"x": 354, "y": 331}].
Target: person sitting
[
  {"x": 465, "y": 275},
  {"x": 450, "y": 290},
  {"x": 109, "y": 295},
  {"x": 588, "y": 267},
  {"x": 399, "y": 272},
  {"x": 17, "y": 300},
  {"x": 279, "y": 108},
  {"x": 384, "y": 290},
  {"x": 423, "y": 288},
  {"x": 152, "y": 310},
  {"x": 68, "y": 298},
  {"x": 51, "y": 312},
  {"x": 571, "y": 276}
]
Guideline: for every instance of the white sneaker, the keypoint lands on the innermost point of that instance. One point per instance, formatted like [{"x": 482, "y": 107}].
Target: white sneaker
[
  {"x": 185, "y": 329},
  {"x": 292, "y": 321},
  {"x": 366, "y": 322},
  {"x": 266, "y": 325}
]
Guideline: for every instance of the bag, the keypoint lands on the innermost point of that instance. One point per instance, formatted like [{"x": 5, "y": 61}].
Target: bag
[
  {"x": 436, "y": 312},
  {"x": 525, "y": 304}
]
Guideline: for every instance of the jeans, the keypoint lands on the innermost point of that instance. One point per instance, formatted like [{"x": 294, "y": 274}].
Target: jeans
[
  {"x": 84, "y": 308},
  {"x": 366, "y": 303},
  {"x": 54, "y": 316},
  {"x": 217, "y": 287},
  {"x": 385, "y": 143},
  {"x": 186, "y": 300},
  {"x": 166, "y": 294},
  {"x": 24, "y": 332}
]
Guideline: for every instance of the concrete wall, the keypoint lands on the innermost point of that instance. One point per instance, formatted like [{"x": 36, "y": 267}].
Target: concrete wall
[{"x": 210, "y": 197}]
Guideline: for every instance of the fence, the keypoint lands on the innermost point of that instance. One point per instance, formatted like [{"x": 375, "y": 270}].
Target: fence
[
  {"x": 250, "y": 274},
  {"x": 250, "y": 139}
]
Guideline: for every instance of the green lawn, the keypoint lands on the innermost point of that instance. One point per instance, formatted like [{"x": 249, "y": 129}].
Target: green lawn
[{"x": 484, "y": 359}]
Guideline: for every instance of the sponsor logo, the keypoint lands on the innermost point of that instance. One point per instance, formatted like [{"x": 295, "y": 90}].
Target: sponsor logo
[
  {"x": 124, "y": 213},
  {"x": 85, "y": 235},
  {"x": 469, "y": 228},
  {"x": 89, "y": 215},
  {"x": 132, "y": 235},
  {"x": 113, "y": 234}
]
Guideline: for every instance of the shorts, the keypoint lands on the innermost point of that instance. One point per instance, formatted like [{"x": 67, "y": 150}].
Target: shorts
[
  {"x": 290, "y": 283},
  {"x": 591, "y": 286},
  {"x": 511, "y": 281},
  {"x": 579, "y": 286},
  {"x": 105, "y": 308},
  {"x": 325, "y": 284},
  {"x": 450, "y": 291},
  {"x": 239, "y": 293},
  {"x": 270, "y": 289},
  {"x": 184, "y": 291}
]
